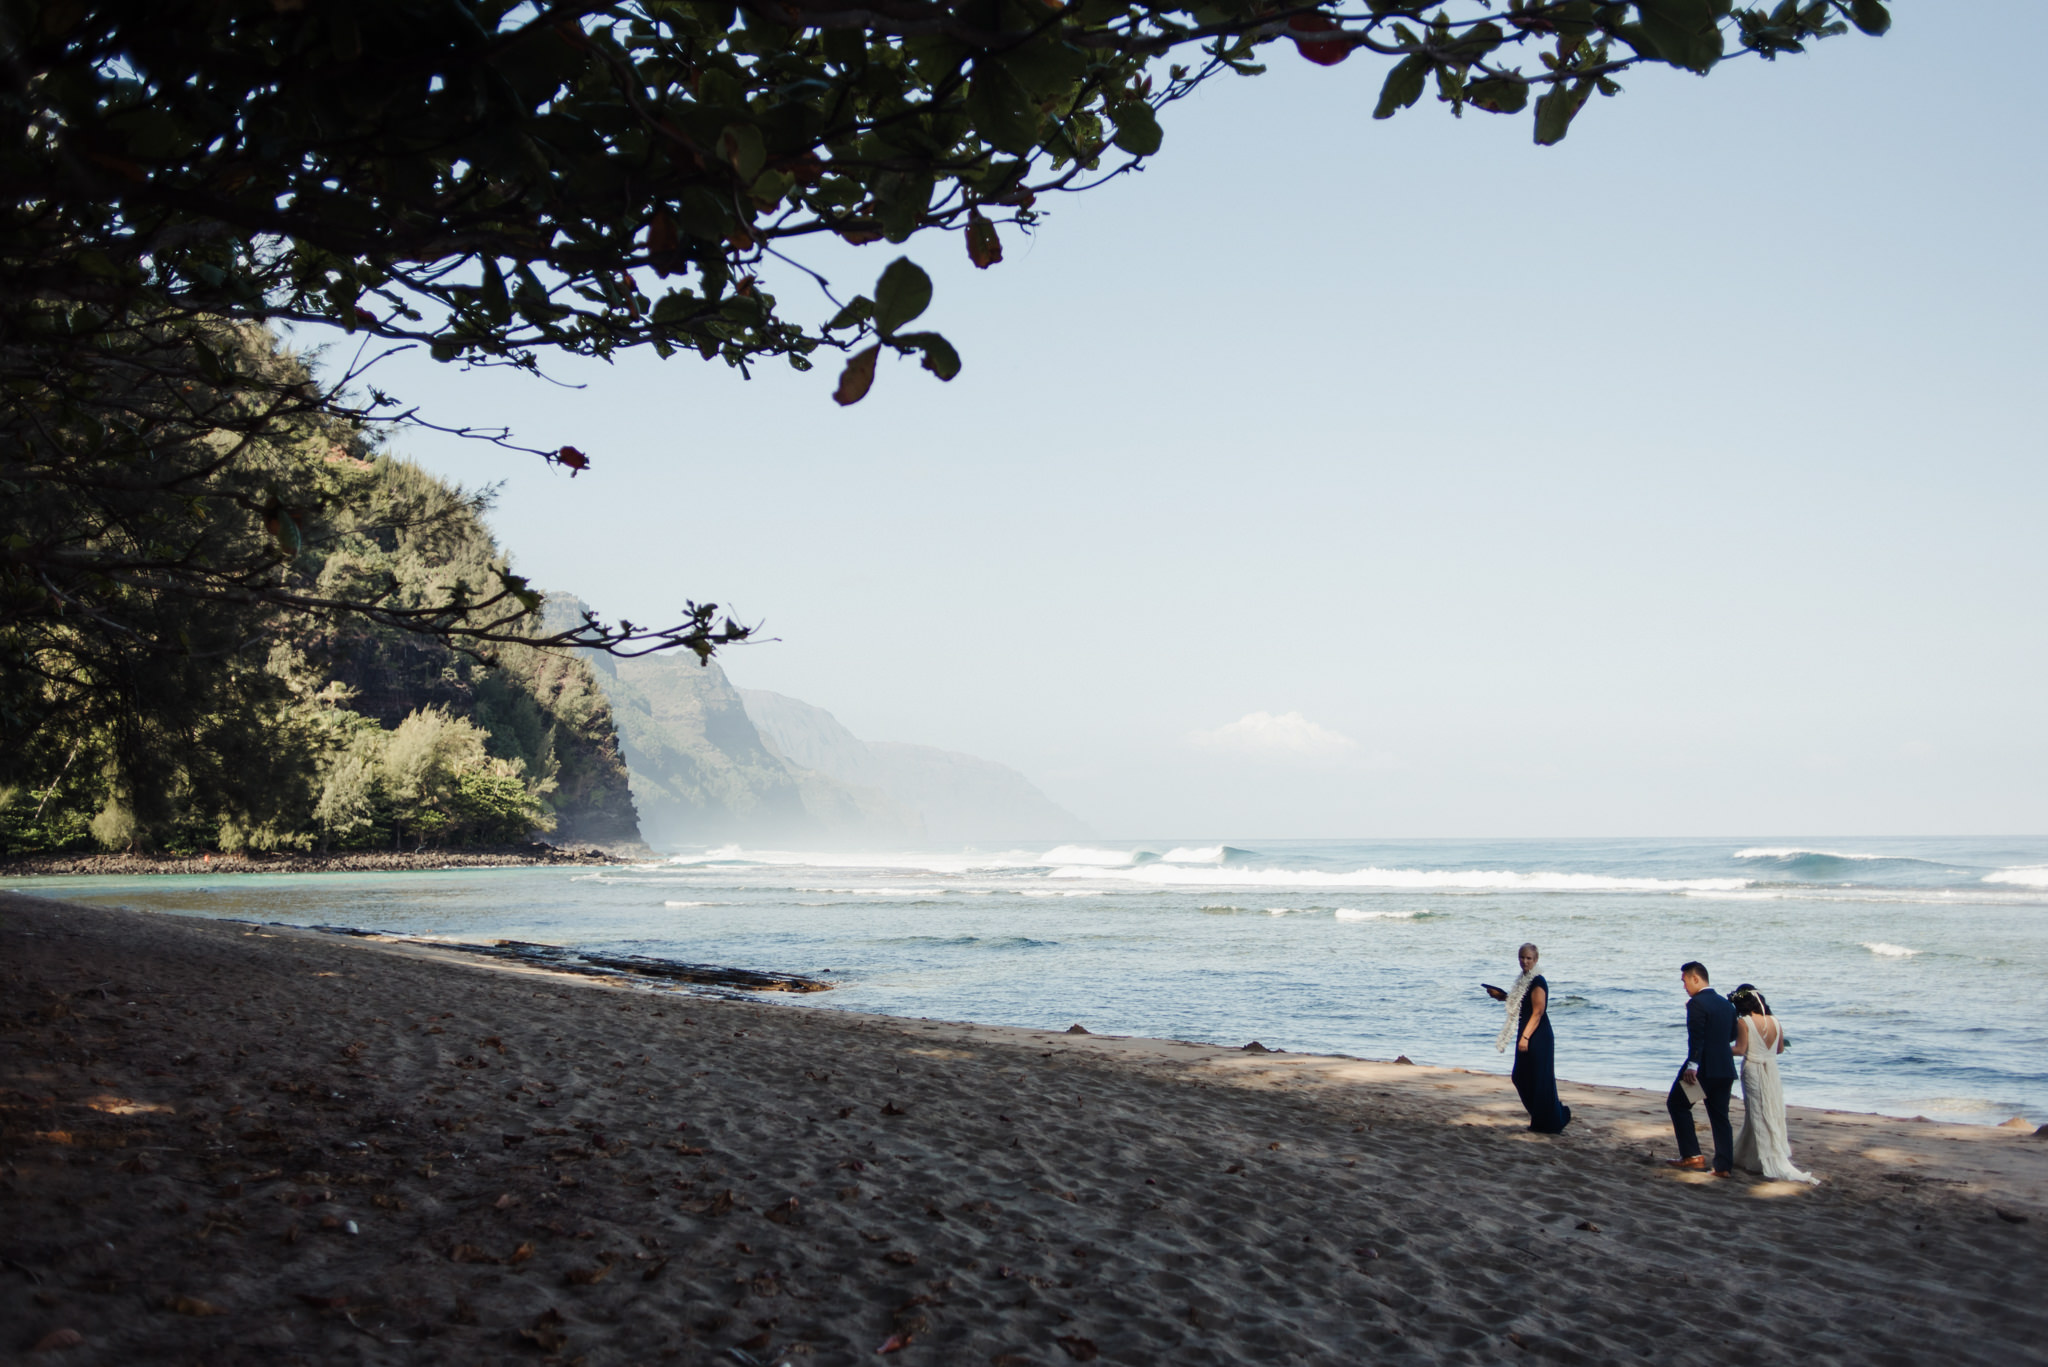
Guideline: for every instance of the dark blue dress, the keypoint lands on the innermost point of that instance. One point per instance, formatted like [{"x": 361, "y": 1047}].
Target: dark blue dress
[{"x": 1536, "y": 1071}]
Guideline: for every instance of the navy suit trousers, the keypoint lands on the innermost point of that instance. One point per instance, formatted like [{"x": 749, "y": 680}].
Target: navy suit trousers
[{"x": 1680, "y": 1107}]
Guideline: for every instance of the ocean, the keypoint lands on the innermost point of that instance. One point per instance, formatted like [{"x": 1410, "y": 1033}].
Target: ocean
[{"x": 1911, "y": 974}]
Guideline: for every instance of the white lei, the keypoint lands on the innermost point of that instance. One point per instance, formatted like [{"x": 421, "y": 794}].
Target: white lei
[{"x": 1515, "y": 995}]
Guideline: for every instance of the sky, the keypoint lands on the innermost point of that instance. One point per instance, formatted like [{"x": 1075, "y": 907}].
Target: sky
[{"x": 1342, "y": 478}]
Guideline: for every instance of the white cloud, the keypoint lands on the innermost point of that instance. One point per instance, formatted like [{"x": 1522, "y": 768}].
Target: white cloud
[{"x": 1288, "y": 735}]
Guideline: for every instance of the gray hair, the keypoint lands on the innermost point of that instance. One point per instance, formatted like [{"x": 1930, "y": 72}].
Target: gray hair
[{"x": 1531, "y": 947}]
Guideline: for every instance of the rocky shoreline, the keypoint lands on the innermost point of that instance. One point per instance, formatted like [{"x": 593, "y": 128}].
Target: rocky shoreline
[{"x": 348, "y": 861}]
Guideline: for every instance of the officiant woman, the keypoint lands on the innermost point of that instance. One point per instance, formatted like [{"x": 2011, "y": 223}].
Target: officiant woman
[{"x": 1528, "y": 1025}]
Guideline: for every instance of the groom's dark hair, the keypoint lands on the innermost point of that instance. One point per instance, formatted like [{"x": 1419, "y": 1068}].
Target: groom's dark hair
[{"x": 1695, "y": 967}]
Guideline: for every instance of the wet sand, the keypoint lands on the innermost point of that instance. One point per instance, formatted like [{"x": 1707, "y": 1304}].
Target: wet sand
[{"x": 223, "y": 1143}]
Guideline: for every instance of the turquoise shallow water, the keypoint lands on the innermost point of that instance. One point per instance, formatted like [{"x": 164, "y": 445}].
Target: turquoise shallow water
[{"x": 1912, "y": 974}]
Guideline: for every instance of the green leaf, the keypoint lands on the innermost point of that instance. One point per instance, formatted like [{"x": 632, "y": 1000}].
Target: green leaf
[
  {"x": 496, "y": 302},
  {"x": 1403, "y": 87},
  {"x": 1555, "y": 111},
  {"x": 1003, "y": 114},
  {"x": 1137, "y": 128},
  {"x": 853, "y": 315},
  {"x": 740, "y": 144},
  {"x": 939, "y": 357},
  {"x": 1871, "y": 16},
  {"x": 1686, "y": 33},
  {"x": 903, "y": 292},
  {"x": 1498, "y": 94}
]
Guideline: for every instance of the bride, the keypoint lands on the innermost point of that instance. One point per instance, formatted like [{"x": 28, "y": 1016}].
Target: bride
[{"x": 1764, "y": 1145}]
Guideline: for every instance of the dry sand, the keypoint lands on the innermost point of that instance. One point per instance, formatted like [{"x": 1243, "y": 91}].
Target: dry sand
[{"x": 225, "y": 1143}]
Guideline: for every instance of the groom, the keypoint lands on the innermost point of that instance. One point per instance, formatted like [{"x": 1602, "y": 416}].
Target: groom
[{"x": 1709, "y": 1029}]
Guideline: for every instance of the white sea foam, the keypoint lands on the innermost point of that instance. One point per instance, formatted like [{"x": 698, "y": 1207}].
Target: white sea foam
[
  {"x": 1889, "y": 951},
  {"x": 1206, "y": 854},
  {"x": 2032, "y": 876},
  {"x": 1797, "y": 851},
  {"x": 1162, "y": 873},
  {"x": 1095, "y": 857},
  {"x": 689, "y": 904},
  {"x": 1911, "y": 897},
  {"x": 896, "y": 861},
  {"x": 1354, "y": 914}
]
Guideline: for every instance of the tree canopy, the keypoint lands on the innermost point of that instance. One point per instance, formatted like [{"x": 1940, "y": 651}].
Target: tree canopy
[{"x": 497, "y": 180}]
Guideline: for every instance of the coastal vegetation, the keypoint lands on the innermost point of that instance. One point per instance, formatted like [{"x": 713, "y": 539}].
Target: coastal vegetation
[{"x": 275, "y": 730}]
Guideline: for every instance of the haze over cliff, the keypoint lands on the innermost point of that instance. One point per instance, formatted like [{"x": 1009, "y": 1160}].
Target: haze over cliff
[
  {"x": 964, "y": 800},
  {"x": 712, "y": 764}
]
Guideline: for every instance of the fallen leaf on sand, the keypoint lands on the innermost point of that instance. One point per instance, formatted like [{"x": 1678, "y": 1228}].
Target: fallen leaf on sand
[
  {"x": 783, "y": 1212},
  {"x": 1006, "y": 1272},
  {"x": 1233, "y": 1168},
  {"x": 469, "y": 1253},
  {"x": 1366, "y": 1254},
  {"x": 57, "y": 1339},
  {"x": 1518, "y": 1340},
  {"x": 505, "y": 1202},
  {"x": 323, "y": 1302},
  {"x": 853, "y": 1164},
  {"x": 590, "y": 1276},
  {"x": 874, "y": 1238},
  {"x": 192, "y": 1305},
  {"x": 758, "y": 1341},
  {"x": 849, "y": 1193},
  {"x": 891, "y": 1108},
  {"x": 521, "y": 1253},
  {"x": 895, "y": 1343},
  {"x": 654, "y": 1270},
  {"x": 2011, "y": 1217},
  {"x": 1012, "y": 1360},
  {"x": 1589, "y": 1226},
  {"x": 1078, "y": 1348},
  {"x": 902, "y": 1257}
]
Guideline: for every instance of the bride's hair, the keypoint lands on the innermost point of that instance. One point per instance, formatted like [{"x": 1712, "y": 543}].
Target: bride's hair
[{"x": 1747, "y": 1001}]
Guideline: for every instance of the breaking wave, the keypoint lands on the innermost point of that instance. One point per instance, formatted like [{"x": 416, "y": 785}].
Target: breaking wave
[
  {"x": 1160, "y": 873},
  {"x": 1801, "y": 862}
]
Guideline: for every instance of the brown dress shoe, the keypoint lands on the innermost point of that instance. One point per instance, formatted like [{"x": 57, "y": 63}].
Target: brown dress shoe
[
  {"x": 1696, "y": 1163},
  {"x": 1719, "y": 1173}
]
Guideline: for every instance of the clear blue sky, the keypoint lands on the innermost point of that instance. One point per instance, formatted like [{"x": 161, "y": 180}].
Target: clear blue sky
[{"x": 1685, "y": 478}]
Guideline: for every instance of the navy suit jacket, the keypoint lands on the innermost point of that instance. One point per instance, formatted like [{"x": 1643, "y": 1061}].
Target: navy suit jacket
[{"x": 1709, "y": 1030}]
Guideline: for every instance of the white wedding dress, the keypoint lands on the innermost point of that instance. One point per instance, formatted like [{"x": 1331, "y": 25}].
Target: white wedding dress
[{"x": 1764, "y": 1145}]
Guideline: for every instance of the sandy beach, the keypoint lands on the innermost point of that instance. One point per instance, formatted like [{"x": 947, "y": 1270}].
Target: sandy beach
[
  {"x": 222, "y": 1143},
  {"x": 284, "y": 861}
]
